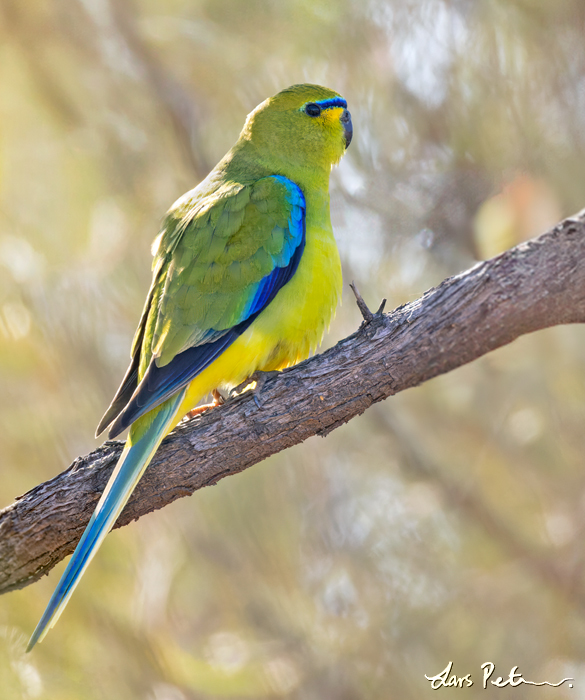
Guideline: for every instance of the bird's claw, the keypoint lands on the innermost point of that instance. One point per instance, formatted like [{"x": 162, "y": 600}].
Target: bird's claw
[
  {"x": 218, "y": 400},
  {"x": 260, "y": 378}
]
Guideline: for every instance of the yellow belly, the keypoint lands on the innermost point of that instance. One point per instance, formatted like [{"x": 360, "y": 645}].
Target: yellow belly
[{"x": 287, "y": 331}]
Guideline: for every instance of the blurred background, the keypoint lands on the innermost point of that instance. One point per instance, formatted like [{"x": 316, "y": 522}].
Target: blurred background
[{"x": 445, "y": 524}]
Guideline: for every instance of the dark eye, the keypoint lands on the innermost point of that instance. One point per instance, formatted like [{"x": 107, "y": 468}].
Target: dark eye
[{"x": 312, "y": 109}]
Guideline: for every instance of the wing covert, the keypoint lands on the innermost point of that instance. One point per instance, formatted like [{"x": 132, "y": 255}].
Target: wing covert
[{"x": 233, "y": 254}]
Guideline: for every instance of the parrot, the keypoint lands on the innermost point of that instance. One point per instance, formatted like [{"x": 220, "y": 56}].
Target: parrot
[{"x": 246, "y": 277}]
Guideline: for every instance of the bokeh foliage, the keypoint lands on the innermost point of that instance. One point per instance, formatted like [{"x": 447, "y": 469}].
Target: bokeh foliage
[{"x": 444, "y": 524}]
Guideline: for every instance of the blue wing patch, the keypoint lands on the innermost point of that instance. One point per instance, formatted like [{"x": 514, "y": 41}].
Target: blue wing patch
[{"x": 160, "y": 383}]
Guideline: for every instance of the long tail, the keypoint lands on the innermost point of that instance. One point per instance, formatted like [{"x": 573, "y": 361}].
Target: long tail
[{"x": 130, "y": 467}]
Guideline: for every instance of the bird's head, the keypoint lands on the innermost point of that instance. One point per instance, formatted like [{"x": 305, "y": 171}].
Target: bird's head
[{"x": 304, "y": 126}]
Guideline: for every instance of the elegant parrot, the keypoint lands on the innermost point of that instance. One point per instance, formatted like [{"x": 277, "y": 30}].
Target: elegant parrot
[{"x": 246, "y": 277}]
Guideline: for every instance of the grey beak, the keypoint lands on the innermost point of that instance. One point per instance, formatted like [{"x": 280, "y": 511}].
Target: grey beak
[{"x": 347, "y": 126}]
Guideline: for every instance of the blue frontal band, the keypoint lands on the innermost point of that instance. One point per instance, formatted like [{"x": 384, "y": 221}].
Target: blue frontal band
[{"x": 333, "y": 102}]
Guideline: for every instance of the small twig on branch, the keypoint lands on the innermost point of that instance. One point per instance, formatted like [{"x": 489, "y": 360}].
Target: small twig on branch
[
  {"x": 368, "y": 316},
  {"x": 538, "y": 284}
]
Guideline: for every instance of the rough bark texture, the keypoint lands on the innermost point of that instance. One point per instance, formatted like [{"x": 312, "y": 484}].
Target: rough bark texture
[{"x": 538, "y": 284}]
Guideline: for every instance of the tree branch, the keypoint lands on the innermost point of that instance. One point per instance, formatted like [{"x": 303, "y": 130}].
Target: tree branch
[{"x": 538, "y": 284}]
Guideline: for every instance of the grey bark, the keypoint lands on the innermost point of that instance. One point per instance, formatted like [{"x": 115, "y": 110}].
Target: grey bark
[{"x": 538, "y": 284}]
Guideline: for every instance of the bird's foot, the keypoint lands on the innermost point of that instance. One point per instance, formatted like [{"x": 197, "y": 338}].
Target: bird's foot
[
  {"x": 260, "y": 378},
  {"x": 218, "y": 400}
]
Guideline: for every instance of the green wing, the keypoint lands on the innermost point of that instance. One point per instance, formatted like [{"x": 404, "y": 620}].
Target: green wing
[{"x": 219, "y": 262}]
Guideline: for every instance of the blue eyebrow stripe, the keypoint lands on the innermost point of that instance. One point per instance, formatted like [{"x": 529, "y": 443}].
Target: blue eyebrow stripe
[{"x": 332, "y": 102}]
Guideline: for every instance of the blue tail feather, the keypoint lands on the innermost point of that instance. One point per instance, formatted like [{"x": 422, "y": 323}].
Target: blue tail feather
[{"x": 130, "y": 467}]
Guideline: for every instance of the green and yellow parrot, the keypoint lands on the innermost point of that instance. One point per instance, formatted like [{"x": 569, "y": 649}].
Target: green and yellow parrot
[{"x": 246, "y": 277}]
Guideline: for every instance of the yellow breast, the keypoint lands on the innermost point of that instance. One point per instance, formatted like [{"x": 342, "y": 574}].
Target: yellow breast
[{"x": 293, "y": 324}]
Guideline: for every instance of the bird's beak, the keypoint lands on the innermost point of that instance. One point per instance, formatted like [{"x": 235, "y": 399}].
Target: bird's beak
[{"x": 347, "y": 126}]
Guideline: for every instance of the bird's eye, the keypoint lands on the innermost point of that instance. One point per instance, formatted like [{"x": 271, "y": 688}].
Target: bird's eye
[{"x": 312, "y": 109}]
